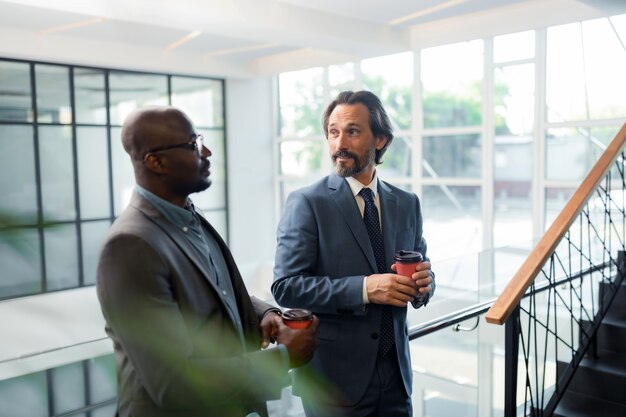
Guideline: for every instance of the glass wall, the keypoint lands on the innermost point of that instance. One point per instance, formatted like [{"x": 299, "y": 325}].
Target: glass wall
[
  {"x": 64, "y": 175},
  {"x": 493, "y": 134},
  {"x": 81, "y": 389}
]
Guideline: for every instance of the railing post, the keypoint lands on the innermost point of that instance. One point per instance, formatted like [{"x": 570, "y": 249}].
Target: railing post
[{"x": 511, "y": 350}]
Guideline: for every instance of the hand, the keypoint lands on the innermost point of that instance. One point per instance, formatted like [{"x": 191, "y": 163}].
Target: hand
[
  {"x": 421, "y": 276},
  {"x": 269, "y": 328},
  {"x": 391, "y": 289},
  {"x": 300, "y": 343}
]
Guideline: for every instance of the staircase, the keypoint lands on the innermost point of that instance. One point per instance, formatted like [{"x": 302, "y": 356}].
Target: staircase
[{"x": 599, "y": 385}]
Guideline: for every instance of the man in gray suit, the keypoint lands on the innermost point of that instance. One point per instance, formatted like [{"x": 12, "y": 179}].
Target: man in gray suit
[
  {"x": 186, "y": 334},
  {"x": 335, "y": 258}
]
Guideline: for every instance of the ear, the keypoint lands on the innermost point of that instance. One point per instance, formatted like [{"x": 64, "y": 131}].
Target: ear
[
  {"x": 154, "y": 162},
  {"x": 381, "y": 141}
]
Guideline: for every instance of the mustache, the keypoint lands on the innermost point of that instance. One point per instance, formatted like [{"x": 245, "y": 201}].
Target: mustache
[{"x": 345, "y": 154}]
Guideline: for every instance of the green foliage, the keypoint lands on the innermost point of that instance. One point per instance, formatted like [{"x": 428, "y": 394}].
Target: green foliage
[{"x": 442, "y": 109}]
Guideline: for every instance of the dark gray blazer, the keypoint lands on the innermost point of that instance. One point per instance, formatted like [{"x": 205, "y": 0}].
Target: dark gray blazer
[
  {"x": 177, "y": 350},
  {"x": 322, "y": 255}
]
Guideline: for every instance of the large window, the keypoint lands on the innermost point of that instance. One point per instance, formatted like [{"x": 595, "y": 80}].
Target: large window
[
  {"x": 64, "y": 175},
  {"x": 505, "y": 128}
]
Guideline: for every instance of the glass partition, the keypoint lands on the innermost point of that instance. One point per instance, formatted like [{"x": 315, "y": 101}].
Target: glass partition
[
  {"x": 65, "y": 176},
  {"x": 53, "y": 94},
  {"x": 15, "y": 92}
]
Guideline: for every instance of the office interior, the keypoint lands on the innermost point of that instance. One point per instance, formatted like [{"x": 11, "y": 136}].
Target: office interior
[{"x": 499, "y": 108}]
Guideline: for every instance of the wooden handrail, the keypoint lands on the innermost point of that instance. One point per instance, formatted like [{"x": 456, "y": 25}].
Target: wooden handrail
[{"x": 526, "y": 274}]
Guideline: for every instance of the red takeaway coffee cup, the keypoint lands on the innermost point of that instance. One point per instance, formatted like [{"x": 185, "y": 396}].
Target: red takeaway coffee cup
[
  {"x": 406, "y": 261},
  {"x": 297, "y": 318}
]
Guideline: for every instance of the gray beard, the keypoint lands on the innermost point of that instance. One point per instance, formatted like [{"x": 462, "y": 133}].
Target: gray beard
[{"x": 359, "y": 164}]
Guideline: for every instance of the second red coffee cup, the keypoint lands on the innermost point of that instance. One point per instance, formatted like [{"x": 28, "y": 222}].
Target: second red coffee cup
[
  {"x": 406, "y": 261},
  {"x": 297, "y": 318}
]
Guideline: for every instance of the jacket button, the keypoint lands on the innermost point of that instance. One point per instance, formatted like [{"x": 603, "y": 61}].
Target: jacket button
[{"x": 374, "y": 336}]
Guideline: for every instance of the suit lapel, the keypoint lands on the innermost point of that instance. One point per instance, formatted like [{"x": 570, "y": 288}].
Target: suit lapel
[
  {"x": 176, "y": 235},
  {"x": 342, "y": 195}
]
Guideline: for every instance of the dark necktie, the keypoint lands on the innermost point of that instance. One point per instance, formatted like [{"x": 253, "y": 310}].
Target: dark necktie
[{"x": 372, "y": 224}]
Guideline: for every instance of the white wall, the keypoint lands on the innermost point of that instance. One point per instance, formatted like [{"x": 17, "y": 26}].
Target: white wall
[{"x": 252, "y": 222}]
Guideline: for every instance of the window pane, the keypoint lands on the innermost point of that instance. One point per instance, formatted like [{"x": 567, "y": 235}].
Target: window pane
[
  {"x": 215, "y": 196},
  {"x": 303, "y": 158},
  {"x": 452, "y": 156},
  {"x": 21, "y": 262},
  {"x": 390, "y": 78},
  {"x": 605, "y": 60},
  {"x": 514, "y": 99},
  {"x": 217, "y": 218},
  {"x": 571, "y": 152},
  {"x": 61, "y": 257},
  {"x": 89, "y": 96},
  {"x": 514, "y": 46},
  {"x": 24, "y": 396},
  {"x": 93, "y": 234},
  {"x": 67, "y": 387},
  {"x": 397, "y": 159},
  {"x": 513, "y": 170},
  {"x": 129, "y": 91},
  {"x": 53, "y": 94},
  {"x": 200, "y": 99},
  {"x": 17, "y": 174},
  {"x": 57, "y": 172},
  {"x": 93, "y": 172},
  {"x": 452, "y": 220},
  {"x": 556, "y": 199},
  {"x": 513, "y": 161},
  {"x": 102, "y": 378},
  {"x": 452, "y": 84},
  {"x": 287, "y": 186},
  {"x": 123, "y": 174},
  {"x": 585, "y": 67},
  {"x": 15, "y": 94},
  {"x": 341, "y": 78},
  {"x": 301, "y": 102}
]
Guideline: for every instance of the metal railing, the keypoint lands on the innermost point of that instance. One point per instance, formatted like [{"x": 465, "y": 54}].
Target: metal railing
[
  {"x": 558, "y": 298},
  {"x": 556, "y": 301}
]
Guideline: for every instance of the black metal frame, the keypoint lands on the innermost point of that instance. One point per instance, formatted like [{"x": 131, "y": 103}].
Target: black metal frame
[{"x": 41, "y": 223}]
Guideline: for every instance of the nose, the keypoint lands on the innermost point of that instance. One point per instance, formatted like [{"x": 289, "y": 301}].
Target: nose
[
  {"x": 206, "y": 152},
  {"x": 342, "y": 141}
]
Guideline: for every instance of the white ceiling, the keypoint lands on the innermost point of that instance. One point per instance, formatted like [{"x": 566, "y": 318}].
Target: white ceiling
[{"x": 242, "y": 38}]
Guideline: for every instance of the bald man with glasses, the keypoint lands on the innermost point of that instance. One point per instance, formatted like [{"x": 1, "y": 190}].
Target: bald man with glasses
[{"x": 187, "y": 336}]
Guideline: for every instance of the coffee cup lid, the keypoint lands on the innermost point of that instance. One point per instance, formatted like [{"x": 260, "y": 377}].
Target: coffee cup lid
[
  {"x": 297, "y": 314},
  {"x": 407, "y": 256}
]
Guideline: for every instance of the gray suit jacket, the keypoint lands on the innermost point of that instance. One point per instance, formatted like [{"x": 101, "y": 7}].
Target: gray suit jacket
[
  {"x": 323, "y": 253},
  {"x": 178, "y": 352}
]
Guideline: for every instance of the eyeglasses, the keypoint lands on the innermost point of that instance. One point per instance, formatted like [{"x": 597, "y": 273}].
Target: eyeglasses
[{"x": 196, "y": 143}]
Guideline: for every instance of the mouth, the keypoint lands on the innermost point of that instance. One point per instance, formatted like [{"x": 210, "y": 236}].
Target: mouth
[
  {"x": 343, "y": 156},
  {"x": 205, "y": 169}
]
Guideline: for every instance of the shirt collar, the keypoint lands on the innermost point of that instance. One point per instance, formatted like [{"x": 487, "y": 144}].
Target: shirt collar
[
  {"x": 180, "y": 217},
  {"x": 356, "y": 186}
]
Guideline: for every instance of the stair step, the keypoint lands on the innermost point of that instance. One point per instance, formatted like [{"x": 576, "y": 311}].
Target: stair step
[
  {"x": 612, "y": 332},
  {"x": 615, "y": 315},
  {"x": 603, "y": 377},
  {"x": 620, "y": 298},
  {"x": 577, "y": 405}
]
